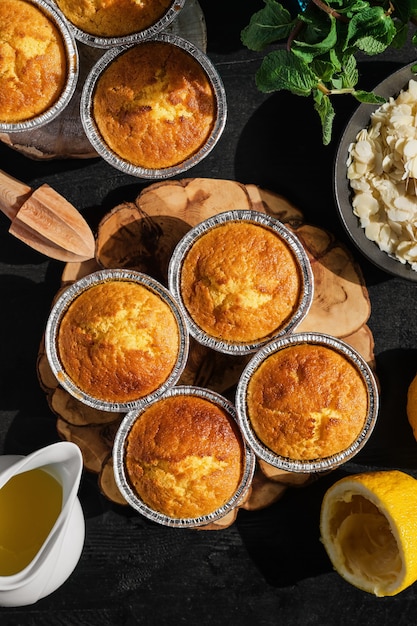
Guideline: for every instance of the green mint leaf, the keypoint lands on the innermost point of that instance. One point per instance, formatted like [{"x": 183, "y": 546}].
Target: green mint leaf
[
  {"x": 337, "y": 83},
  {"x": 355, "y": 6},
  {"x": 350, "y": 74},
  {"x": 282, "y": 70},
  {"x": 325, "y": 109},
  {"x": 414, "y": 68},
  {"x": 323, "y": 41},
  {"x": 371, "y": 46},
  {"x": 323, "y": 70},
  {"x": 270, "y": 24},
  {"x": 336, "y": 60},
  {"x": 371, "y": 31},
  {"x": 334, "y": 67},
  {"x": 368, "y": 97}
]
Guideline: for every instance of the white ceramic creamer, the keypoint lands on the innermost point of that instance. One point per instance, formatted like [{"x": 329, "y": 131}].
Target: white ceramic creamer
[{"x": 42, "y": 527}]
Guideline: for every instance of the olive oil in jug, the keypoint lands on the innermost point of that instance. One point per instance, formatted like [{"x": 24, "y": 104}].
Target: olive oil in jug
[{"x": 30, "y": 504}]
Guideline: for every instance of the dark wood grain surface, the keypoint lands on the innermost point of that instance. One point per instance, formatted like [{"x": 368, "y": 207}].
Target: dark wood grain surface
[{"x": 269, "y": 567}]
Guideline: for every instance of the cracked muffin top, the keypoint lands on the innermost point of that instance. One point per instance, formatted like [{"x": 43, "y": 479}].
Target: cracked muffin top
[
  {"x": 184, "y": 456},
  {"x": 307, "y": 402},
  {"x": 113, "y": 18},
  {"x": 118, "y": 341},
  {"x": 33, "y": 63},
  {"x": 240, "y": 282},
  {"x": 154, "y": 105}
]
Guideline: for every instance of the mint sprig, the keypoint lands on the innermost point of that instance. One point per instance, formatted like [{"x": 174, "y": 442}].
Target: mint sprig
[{"x": 322, "y": 43}]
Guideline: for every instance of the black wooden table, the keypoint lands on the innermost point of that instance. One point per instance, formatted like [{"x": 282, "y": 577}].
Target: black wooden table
[{"x": 269, "y": 567}]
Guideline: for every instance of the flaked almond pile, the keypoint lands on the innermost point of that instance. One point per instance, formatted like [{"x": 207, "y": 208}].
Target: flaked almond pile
[{"x": 382, "y": 170}]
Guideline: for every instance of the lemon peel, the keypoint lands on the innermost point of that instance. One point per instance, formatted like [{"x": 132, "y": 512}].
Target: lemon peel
[
  {"x": 412, "y": 405},
  {"x": 368, "y": 525}
]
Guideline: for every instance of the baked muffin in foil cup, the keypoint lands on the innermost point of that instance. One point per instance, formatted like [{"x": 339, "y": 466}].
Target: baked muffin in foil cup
[
  {"x": 181, "y": 460},
  {"x": 108, "y": 24},
  {"x": 307, "y": 402},
  {"x": 116, "y": 338},
  {"x": 154, "y": 109},
  {"x": 39, "y": 65},
  {"x": 241, "y": 278}
]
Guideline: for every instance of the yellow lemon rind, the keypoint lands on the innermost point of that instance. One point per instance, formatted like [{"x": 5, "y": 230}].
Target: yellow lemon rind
[{"x": 394, "y": 494}]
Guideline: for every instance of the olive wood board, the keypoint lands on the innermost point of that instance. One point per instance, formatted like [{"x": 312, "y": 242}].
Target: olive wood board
[
  {"x": 64, "y": 137},
  {"x": 141, "y": 235}
]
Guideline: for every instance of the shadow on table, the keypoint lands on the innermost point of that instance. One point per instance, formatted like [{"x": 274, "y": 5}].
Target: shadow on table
[
  {"x": 284, "y": 138},
  {"x": 392, "y": 444},
  {"x": 281, "y": 149},
  {"x": 223, "y": 32},
  {"x": 22, "y": 318},
  {"x": 284, "y": 540}
]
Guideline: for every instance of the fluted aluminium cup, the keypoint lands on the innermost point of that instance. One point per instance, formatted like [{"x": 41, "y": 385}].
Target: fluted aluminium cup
[
  {"x": 312, "y": 465},
  {"x": 112, "y": 41},
  {"x": 62, "y": 304},
  {"x": 132, "y": 497},
  {"x": 72, "y": 74},
  {"x": 306, "y": 280},
  {"x": 100, "y": 145}
]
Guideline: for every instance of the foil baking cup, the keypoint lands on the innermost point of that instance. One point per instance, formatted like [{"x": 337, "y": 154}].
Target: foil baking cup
[
  {"x": 96, "y": 41},
  {"x": 267, "y": 221},
  {"x": 101, "y": 147},
  {"x": 132, "y": 497},
  {"x": 61, "y": 306},
  {"x": 72, "y": 59},
  {"x": 313, "y": 465}
]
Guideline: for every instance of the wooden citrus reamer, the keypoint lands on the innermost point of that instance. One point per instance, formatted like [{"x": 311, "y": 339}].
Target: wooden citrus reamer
[{"x": 46, "y": 221}]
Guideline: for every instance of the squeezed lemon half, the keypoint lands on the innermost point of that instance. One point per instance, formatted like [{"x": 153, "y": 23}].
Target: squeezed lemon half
[{"x": 368, "y": 526}]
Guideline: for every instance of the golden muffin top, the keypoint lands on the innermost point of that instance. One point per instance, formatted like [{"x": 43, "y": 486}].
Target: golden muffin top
[
  {"x": 118, "y": 341},
  {"x": 307, "y": 402},
  {"x": 154, "y": 105},
  {"x": 33, "y": 64},
  {"x": 113, "y": 18},
  {"x": 240, "y": 282},
  {"x": 184, "y": 456}
]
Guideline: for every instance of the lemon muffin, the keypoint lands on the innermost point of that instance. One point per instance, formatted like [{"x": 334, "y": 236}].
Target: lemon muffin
[
  {"x": 154, "y": 105},
  {"x": 184, "y": 456},
  {"x": 113, "y": 18},
  {"x": 118, "y": 341},
  {"x": 240, "y": 282},
  {"x": 307, "y": 401},
  {"x": 33, "y": 64}
]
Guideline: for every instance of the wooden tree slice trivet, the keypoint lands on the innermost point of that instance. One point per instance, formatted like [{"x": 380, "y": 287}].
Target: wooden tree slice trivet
[
  {"x": 107, "y": 483},
  {"x": 141, "y": 235},
  {"x": 94, "y": 441}
]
